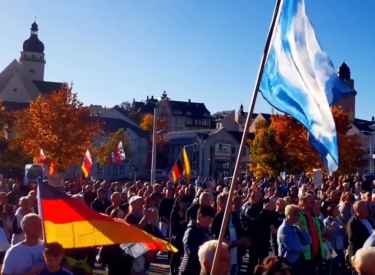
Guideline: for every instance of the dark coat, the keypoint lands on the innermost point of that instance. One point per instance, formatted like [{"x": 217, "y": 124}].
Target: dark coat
[
  {"x": 357, "y": 234},
  {"x": 194, "y": 237},
  {"x": 100, "y": 206}
]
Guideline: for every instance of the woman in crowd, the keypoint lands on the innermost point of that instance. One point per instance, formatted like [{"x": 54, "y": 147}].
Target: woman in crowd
[
  {"x": 24, "y": 209},
  {"x": 273, "y": 265}
]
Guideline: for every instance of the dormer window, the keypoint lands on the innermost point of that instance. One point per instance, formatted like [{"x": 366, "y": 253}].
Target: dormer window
[{"x": 32, "y": 71}]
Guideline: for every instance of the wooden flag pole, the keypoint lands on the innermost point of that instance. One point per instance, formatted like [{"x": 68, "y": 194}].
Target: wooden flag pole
[{"x": 228, "y": 208}]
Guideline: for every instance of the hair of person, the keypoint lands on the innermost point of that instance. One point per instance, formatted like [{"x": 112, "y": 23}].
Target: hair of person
[
  {"x": 28, "y": 217},
  {"x": 289, "y": 209},
  {"x": 207, "y": 251},
  {"x": 176, "y": 205},
  {"x": 78, "y": 197},
  {"x": 331, "y": 209},
  {"x": 54, "y": 249},
  {"x": 355, "y": 205},
  {"x": 270, "y": 266},
  {"x": 362, "y": 256},
  {"x": 222, "y": 197},
  {"x": 114, "y": 194},
  {"x": 203, "y": 195},
  {"x": 206, "y": 211}
]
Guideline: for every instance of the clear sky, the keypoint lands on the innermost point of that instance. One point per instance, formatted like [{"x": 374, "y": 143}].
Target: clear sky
[{"x": 206, "y": 51}]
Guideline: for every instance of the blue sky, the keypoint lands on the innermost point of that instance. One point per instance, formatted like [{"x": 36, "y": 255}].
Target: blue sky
[{"x": 206, "y": 51}]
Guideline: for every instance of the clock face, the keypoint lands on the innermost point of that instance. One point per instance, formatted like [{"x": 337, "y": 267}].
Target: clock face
[{"x": 139, "y": 264}]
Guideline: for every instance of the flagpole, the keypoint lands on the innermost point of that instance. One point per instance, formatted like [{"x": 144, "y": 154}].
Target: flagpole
[
  {"x": 228, "y": 208},
  {"x": 153, "y": 160}
]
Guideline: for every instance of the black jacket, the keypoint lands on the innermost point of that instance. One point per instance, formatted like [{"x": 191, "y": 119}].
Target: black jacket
[
  {"x": 218, "y": 220},
  {"x": 100, "y": 206},
  {"x": 194, "y": 237},
  {"x": 357, "y": 234}
]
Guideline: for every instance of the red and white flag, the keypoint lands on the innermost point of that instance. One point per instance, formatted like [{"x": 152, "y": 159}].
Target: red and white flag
[{"x": 42, "y": 157}]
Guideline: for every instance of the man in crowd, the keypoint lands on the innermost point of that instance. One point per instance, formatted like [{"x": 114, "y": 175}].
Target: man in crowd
[{"x": 206, "y": 255}]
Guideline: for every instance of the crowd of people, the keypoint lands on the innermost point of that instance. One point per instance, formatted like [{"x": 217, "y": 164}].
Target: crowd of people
[{"x": 281, "y": 226}]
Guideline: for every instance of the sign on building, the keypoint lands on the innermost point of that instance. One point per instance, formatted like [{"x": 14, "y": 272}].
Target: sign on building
[
  {"x": 222, "y": 150},
  {"x": 56, "y": 180}
]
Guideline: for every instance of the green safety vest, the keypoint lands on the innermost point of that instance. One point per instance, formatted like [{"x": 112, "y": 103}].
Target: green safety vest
[{"x": 318, "y": 227}]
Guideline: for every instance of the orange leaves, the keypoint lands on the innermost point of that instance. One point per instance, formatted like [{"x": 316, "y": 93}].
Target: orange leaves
[
  {"x": 60, "y": 125},
  {"x": 147, "y": 123},
  {"x": 284, "y": 146}
]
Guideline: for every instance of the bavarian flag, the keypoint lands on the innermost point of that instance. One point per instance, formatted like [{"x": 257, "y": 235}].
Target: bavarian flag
[{"x": 73, "y": 224}]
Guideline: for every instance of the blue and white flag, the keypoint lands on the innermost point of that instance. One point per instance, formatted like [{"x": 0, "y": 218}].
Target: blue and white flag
[{"x": 300, "y": 80}]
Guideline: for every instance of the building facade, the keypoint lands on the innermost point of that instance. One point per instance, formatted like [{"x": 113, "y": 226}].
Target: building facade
[
  {"x": 22, "y": 80},
  {"x": 178, "y": 115},
  {"x": 211, "y": 152}
]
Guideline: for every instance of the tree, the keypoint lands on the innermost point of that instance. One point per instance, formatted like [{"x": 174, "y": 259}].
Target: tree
[
  {"x": 13, "y": 160},
  {"x": 147, "y": 124},
  {"x": 60, "y": 125},
  {"x": 281, "y": 147},
  {"x": 351, "y": 149},
  {"x": 107, "y": 148}
]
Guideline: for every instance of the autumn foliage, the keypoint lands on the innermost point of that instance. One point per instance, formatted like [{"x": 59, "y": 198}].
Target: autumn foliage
[
  {"x": 111, "y": 143},
  {"x": 60, "y": 125},
  {"x": 284, "y": 146}
]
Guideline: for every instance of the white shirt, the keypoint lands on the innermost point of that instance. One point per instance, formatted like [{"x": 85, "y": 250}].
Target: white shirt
[{"x": 20, "y": 258}]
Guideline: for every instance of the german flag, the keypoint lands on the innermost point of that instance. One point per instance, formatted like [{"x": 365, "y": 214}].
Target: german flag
[
  {"x": 177, "y": 171},
  {"x": 187, "y": 167},
  {"x": 73, "y": 224}
]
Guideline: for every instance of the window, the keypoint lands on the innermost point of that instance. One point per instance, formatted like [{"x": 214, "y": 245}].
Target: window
[
  {"x": 218, "y": 125},
  {"x": 176, "y": 120},
  {"x": 120, "y": 170},
  {"x": 188, "y": 113},
  {"x": 177, "y": 112},
  {"x": 134, "y": 143},
  {"x": 205, "y": 122},
  {"x": 99, "y": 170},
  {"x": 32, "y": 71},
  {"x": 169, "y": 119},
  {"x": 33, "y": 56},
  {"x": 196, "y": 122},
  {"x": 181, "y": 120},
  {"x": 199, "y": 122},
  {"x": 15, "y": 90},
  {"x": 176, "y": 129},
  {"x": 189, "y": 121}
]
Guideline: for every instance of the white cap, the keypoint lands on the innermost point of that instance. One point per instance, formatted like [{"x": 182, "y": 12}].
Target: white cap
[{"x": 135, "y": 198}]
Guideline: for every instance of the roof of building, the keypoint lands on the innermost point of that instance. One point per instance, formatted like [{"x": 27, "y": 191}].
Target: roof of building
[
  {"x": 114, "y": 124},
  {"x": 33, "y": 44},
  {"x": 15, "y": 106},
  {"x": 46, "y": 87},
  {"x": 187, "y": 108},
  {"x": 363, "y": 125},
  {"x": 220, "y": 115},
  {"x": 237, "y": 135}
]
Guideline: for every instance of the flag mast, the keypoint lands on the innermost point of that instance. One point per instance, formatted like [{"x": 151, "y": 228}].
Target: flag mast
[
  {"x": 228, "y": 208},
  {"x": 153, "y": 158}
]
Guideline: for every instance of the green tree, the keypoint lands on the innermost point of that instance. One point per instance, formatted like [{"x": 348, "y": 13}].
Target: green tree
[
  {"x": 14, "y": 159},
  {"x": 108, "y": 147}
]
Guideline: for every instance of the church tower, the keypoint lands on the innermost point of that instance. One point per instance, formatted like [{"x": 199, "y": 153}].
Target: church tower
[
  {"x": 32, "y": 58},
  {"x": 347, "y": 101}
]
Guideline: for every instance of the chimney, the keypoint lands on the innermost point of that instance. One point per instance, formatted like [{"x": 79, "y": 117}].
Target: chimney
[
  {"x": 189, "y": 100},
  {"x": 152, "y": 97},
  {"x": 373, "y": 118},
  {"x": 147, "y": 98}
]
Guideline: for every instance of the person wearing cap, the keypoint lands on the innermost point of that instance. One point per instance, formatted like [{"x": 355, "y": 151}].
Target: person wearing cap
[{"x": 101, "y": 203}]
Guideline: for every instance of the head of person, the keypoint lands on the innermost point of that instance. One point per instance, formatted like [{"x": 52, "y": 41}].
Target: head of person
[
  {"x": 117, "y": 213},
  {"x": 24, "y": 203},
  {"x": 280, "y": 205},
  {"x": 206, "y": 255},
  {"x": 136, "y": 204},
  {"x": 53, "y": 255},
  {"x": 31, "y": 225},
  {"x": 101, "y": 193},
  {"x": 364, "y": 261},
  {"x": 204, "y": 199},
  {"x": 361, "y": 209},
  {"x": 78, "y": 197},
  {"x": 222, "y": 199},
  {"x": 292, "y": 213},
  {"x": 288, "y": 200},
  {"x": 205, "y": 216},
  {"x": 273, "y": 265},
  {"x": 116, "y": 198},
  {"x": 307, "y": 202},
  {"x": 333, "y": 211},
  {"x": 256, "y": 197}
]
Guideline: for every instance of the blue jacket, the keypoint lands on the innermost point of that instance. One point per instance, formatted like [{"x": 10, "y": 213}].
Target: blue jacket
[{"x": 292, "y": 241}]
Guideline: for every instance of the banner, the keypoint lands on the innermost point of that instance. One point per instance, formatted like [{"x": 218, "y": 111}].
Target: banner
[
  {"x": 56, "y": 180},
  {"x": 33, "y": 172},
  {"x": 318, "y": 177}
]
